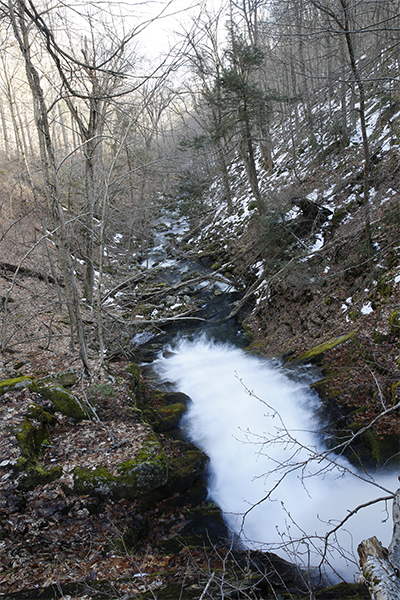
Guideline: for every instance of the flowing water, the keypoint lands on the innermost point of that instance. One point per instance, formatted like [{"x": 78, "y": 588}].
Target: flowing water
[
  {"x": 257, "y": 421},
  {"x": 257, "y": 424}
]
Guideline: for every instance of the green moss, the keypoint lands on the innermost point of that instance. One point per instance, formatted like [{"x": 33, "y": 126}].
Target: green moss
[
  {"x": 134, "y": 369},
  {"x": 149, "y": 470},
  {"x": 17, "y": 383},
  {"x": 98, "y": 482},
  {"x": 354, "y": 314},
  {"x": 64, "y": 402},
  {"x": 328, "y": 345},
  {"x": 170, "y": 416},
  {"x": 382, "y": 291},
  {"x": 136, "y": 384},
  {"x": 384, "y": 449},
  {"x": 35, "y": 411},
  {"x": 136, "y": 478},
  {"x": 395, "y": 390},
  {"x": 394, "y": 322},
  {"x": 31, "y": 440},
  {"x": 36, "y": 474},
  {"x": 66, "y": 378},
  {"x": 378, "y": 337},
  {"x": 25, "y": 434}
]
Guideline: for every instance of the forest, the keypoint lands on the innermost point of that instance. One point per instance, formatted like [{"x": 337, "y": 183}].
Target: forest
[{"x": 257, "y": 139}]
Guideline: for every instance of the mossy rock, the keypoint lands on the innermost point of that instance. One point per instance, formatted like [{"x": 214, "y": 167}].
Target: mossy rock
[
  {"x": 66, "y": 378},
  {"x": 149, "y": 470},
  {"x": 317, "y": 352},
  {"x": 395, "y": 390},
  {"x": 379, "y": 337},
  {"x": 137, "y": 477},
  {"x": 64, "y": 402},
  {"x": 171, "y": 416},
  {"x": 96, "y": 482},
  {"x": 384, "y": 450},
  {"x": 31, "y": 440},
  {"x": 35, "y": 411},
  {"x": 18, "y": 383},
  {"x": 27, "y": 438},
  {"x": 177, "y": 398},
  {"x": 35, "y": 474},
  {"x": 136, "y": 385},
  {"x": 184, "y": 471},
  {"x": 204, "y": 526}
]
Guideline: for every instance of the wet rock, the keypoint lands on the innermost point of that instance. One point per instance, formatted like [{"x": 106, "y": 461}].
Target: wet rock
[
  {"x": 171, "y": 416},
  {"x": 177, "y": 397}
]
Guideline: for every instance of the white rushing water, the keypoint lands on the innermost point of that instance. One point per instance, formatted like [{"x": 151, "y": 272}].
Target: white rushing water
[{"x": 258, "y": 427}]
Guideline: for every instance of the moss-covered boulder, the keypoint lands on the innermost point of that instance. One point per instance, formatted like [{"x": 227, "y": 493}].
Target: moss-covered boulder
[
  {"x": 66, "y": 378},
  {"x": 29, "y": 438},
  {"x": 177, "y": 398},
  {"x": 37, "y": 412},
  {"x": 64, "y": 401},
  {"x": 185, "y": 468},
  {"x": 149, "y": 470},
  {"x": 137, "y": 477},
  {"x": 35, "y": 474},
  {"x": 32, "y": 437},
  {"x": 17, "y": 383},
  {"x": 170, "y": 416},
  {"x": 164, "y": 411}
]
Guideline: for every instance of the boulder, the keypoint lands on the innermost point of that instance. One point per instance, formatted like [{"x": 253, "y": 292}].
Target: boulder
[{"x": 137, "y": 477}]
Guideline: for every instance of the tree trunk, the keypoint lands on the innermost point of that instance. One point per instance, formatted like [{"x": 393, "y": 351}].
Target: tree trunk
[
  {"x": 50, "y": 178},
  {"x": 381, "y": 567}
]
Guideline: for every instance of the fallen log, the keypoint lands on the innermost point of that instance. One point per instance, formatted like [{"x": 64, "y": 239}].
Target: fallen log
[
  {"x": 5, "y": 266},
  {"x": 380, "y": 566}
]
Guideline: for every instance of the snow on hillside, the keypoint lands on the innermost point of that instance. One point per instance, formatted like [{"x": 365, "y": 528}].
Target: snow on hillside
[{"x": 332, "y": 180}]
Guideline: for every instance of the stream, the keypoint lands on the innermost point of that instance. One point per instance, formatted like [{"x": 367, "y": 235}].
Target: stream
[{"x": 258, "y": 422}]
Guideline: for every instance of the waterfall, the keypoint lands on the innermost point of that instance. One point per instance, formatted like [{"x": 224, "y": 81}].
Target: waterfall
[{"x": 258, "y": 425}]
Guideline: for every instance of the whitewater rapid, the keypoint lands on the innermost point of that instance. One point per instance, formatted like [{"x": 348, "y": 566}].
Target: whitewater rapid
[{"x": 259, "y": 429}]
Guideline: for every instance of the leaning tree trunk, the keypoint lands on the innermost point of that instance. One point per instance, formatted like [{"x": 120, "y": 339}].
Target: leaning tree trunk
[{"x": 381, "y": 567}]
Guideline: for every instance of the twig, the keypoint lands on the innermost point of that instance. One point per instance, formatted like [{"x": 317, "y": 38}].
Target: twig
[{"x": 207, "y": 586}]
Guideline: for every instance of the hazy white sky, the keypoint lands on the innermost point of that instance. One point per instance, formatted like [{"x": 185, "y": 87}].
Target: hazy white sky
[{"x": 170, "y": 17}]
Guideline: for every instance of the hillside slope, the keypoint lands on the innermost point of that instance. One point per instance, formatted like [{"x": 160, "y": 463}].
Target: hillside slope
[{"x": 309, "y": 280}]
